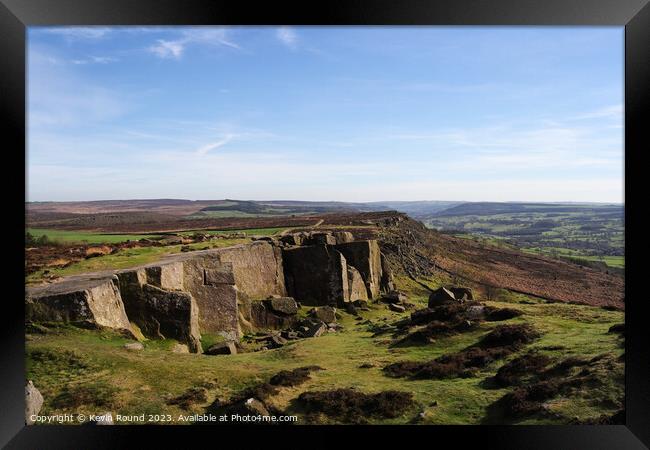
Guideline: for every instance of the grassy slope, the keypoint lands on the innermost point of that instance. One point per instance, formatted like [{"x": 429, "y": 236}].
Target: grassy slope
[{"x": 139, "y": 382}]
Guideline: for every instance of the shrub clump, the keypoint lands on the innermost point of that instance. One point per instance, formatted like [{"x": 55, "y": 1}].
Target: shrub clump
[
  {"x": 510, "y": 336},
  {"x": 98, "y": 394},
  {"x": 512, "y": 372},
  {"x": 293, "y": 377},
  {"x": 498, "y": 344},
  {"x": 352, "y": 406},
  {"x": 499, "y": 314},
  {"x": 189, "y": 398}
]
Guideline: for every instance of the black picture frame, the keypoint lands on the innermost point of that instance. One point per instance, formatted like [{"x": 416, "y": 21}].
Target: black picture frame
[{"x": 634, "y": 15}]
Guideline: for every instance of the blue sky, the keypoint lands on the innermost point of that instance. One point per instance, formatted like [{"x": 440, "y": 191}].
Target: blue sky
[{"x": 326, "y": 113}]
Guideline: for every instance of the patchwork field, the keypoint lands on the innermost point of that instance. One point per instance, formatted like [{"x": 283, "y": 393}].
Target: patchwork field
[{"x": 582, "y": 232}]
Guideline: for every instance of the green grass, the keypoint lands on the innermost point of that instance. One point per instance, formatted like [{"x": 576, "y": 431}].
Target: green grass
[
  {"x": 136, "y": 382},
  {"x": 85, "y": 236}
]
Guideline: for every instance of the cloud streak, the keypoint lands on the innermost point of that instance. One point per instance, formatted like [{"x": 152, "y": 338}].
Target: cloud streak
[
  {"x": 204, "y": 150},
  {"x": 200, "y": 36},
  {"x": 288, "y": 37}
]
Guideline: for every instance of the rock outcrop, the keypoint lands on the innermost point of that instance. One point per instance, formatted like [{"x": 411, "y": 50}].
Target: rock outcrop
[
  {"x": 91, "y": 300},
  {"x": 365, "y": 256},
  {"x": 226, "y": 291}
]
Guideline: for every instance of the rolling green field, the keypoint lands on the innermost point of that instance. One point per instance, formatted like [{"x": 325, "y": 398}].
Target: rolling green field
[
  {"x": 85, "y": 236},
  {"x": 584, "y": 232}
]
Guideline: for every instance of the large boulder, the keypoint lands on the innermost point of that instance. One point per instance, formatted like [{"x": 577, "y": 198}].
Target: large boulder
[
  {"x": 365, "y": 256},
  {"x": 325, "y": 314},
  {"x": 441, "y": 296},
  {"x": 316, "y": 275},
  {"x": 33, "y": 402},
  {"x": 462, "y": 293},
  {"x": 85, "y": 299},
  {"x": 394, "y": 297},
  {"x": 263, "y": 315},
  {"x": 282, "y": 305}
]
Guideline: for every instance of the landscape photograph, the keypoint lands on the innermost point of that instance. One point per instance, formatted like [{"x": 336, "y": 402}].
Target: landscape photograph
[{"x": 301, "y": 225}]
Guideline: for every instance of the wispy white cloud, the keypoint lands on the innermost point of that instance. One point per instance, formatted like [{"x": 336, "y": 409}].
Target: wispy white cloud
[
  {"x": 287, "y": 36},
  {"x": 200, "y": 36},
  {"x": 168, "y": 49},
  {"x": 203, "y": 150}
]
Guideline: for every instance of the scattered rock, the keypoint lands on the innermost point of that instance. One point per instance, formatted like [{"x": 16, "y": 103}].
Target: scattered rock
[
  {"x": 134, "y": 346},
  {"x": 180, "y": 348},
  {"x": 33, "y": 402},
  {"x": 284, "y": 305},
  {"x": 366, "y": 366},
  {"x": 315, "y": 330},
  {"x": 394, "y": 297},
  {"x": 397, "y": 308},
  {"x": 326, "y": 314}
]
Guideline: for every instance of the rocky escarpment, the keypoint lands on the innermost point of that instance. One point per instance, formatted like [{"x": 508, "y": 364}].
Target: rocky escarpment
[{"x": 225, "y": 291}]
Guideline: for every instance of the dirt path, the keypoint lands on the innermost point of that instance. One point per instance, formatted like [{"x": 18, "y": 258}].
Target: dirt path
[{"x": 290, "y": 230}]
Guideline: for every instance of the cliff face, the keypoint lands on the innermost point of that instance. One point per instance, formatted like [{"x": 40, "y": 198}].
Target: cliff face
[{"x": 213, "y": 291}]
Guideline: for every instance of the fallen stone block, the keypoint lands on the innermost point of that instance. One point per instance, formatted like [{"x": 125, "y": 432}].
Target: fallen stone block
[
  {"x": 283, "y": 305},
  {"x": 397, "y": 308}
]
